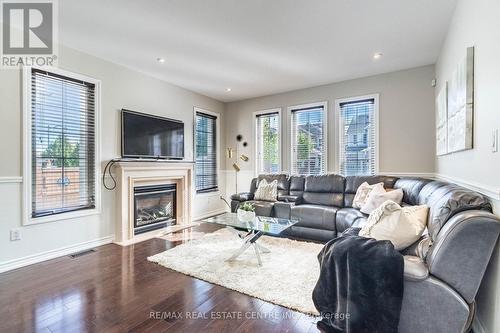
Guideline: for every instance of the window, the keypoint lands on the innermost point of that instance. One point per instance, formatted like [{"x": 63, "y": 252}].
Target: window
[
  {"x": 308, "y": 138},
  {"x": 206, "y": 152},
  {"x": 268, "y": 146},
  {"x": 357, "y": 120},
  {"x": 61, "y": 154}
]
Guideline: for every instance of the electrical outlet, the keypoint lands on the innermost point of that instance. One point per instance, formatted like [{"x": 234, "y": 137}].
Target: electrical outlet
[
  {"x": 15, "y": 235},
  {"x": 494, "y": 141}
]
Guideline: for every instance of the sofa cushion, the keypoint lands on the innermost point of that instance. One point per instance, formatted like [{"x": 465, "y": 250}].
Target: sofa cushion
[
  {"x": 446, "y": 200},
  {"x": 325, "y": 184},
  {"x": 325, "y": 199},
  {"x": 353, "y": 182},
  {"x": 346, "y": 217},
  {"x": 253, "y": 185},
  {"x": 297, "y": 185},
  {"x": 325, "y": 190},
  {"x": 315, "y": 216},
  {"x": 411, "y": 187},
  {"x": 310, "y": 233},
  {"x": 428, "y": 189},
  {"x": 263, "y": 208}
]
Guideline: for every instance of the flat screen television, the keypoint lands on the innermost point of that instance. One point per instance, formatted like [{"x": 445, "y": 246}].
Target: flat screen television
[{"x": 148, "y": 136}]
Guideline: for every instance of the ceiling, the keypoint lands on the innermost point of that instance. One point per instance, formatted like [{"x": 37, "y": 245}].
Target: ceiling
[{"x": 257, "y": 47}]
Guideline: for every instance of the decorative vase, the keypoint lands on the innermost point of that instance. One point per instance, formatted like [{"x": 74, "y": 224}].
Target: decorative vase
[{"x": 245, "y": 216}]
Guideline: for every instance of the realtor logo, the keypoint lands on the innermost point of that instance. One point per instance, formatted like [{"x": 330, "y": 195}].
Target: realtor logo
[{"x": 28, "y": 33}]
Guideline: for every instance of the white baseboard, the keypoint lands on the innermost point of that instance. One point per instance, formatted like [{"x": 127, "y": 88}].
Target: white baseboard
[
  {"x": 477, "y": 326},
  {"x": 63, "y": 251},
  {"x": 212, "y": 213}
]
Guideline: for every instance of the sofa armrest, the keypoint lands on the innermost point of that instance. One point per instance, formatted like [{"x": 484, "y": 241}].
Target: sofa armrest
[
  {"x": 283, "y": 210},
  {"x": 289, "y": 198},
  {"x": 462, "y": 249},
  {"x": 243, "y": 196},
  {"x": 430, "y": 305}
]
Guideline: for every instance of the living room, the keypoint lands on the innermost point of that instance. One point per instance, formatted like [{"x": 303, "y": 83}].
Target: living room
[{"x": 182, "y": 166}]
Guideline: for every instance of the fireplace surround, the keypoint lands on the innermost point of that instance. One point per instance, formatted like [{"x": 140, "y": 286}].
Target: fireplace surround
[{"x": 132, "y": 175}]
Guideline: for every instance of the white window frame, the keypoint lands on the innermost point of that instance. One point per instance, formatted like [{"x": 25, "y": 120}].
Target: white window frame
[
  {"x": 280, "y": 133},
  {"x": 340, "y": 101},
  {"x": 290, "y": 109},
  {"x": 217, "y": 150},
  {"x": 27, "y": 177}
]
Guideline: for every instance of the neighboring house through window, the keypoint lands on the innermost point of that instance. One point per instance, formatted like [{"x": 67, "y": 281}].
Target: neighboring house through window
[
  {"x": 61, "y": 162},
  {"x": 206, "y": 151},
  {"x": 358, "y": 119},
  {"x": 268, "y": 143},
  {"x": 308, "y": 139}
]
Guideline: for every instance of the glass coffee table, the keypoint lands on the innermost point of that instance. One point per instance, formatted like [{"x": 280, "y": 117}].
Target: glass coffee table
[{"x": 250, "y": 232}]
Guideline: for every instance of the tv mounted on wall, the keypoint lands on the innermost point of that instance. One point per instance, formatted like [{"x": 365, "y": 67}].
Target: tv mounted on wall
[{"x": 148, "y": 136}]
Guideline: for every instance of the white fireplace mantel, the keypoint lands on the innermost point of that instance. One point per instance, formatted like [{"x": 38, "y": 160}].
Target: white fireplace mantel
[{"x": 136, "y": 173}]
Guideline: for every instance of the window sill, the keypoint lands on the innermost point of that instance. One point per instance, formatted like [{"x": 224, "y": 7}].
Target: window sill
[
  {"x": 60, "y": 217},
  {"x": 208, "y": 194}
]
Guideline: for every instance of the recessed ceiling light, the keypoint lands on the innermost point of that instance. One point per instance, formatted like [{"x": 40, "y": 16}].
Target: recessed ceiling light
[
  {"x": 228, "y": 89},
  {"x": 160, "y": 60},
  {"x": 377, "y": 55}
]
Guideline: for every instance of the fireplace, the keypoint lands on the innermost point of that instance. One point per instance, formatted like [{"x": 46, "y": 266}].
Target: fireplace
[{"x": 154, "y": 207}]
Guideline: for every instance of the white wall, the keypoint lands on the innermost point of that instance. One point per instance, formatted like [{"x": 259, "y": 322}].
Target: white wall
[
  {"x": 120, "y": 88},
  {"x": 476, "y": 23},
  {"x": 406, "y": 112}
]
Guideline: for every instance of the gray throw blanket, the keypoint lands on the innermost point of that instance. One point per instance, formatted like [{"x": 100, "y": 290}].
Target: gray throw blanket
[{"x": 360, "y": 287}]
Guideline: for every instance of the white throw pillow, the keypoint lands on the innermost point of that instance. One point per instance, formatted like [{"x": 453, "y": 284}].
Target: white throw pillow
[
  {"x": 267, "y": 191},
  {"x": 362, "y": 194},
  {"x": 403, "y": 226},
  {"x": 378, "y": 196}
]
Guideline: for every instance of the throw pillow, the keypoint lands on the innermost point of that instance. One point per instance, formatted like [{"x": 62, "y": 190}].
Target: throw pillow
[
  {"x": 267, "y": 191},
  {"x": 362, "y": 194},
  {"x": 403, "y": 226},
  {"x": 378, "y": 196}
]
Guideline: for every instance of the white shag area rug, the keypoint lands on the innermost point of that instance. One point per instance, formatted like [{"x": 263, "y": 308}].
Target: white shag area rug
[{"x": 287, "y": 276}]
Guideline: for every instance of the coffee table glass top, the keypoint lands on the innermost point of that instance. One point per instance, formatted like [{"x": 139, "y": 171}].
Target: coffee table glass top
[{"x": 268, "y": 225}]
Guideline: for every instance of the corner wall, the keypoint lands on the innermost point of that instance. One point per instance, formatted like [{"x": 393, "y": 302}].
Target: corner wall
[
  {"x": 406, "y": 122},
  {"x": 476, "y": 23},
  {"x": 120, "y": 88}
]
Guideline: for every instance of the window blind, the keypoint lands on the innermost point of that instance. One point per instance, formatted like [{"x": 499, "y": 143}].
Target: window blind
[
  {"x": 308, "y": 141},
  {"x": 206, "y": 152},
  {"x": 268, "y": 143},
  {"x": 357, "y": 138},
  {"x": 62, "y": 144}
]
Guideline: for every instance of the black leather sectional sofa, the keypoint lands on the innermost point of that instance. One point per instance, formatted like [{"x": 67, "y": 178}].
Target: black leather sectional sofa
[{"x": 440, "y": 287}]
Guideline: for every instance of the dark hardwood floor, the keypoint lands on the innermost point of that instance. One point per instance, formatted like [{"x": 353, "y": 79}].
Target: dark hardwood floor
[{"x": 115, "y": 289}]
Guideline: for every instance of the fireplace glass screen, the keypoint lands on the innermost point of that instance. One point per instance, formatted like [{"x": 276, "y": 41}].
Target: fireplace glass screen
[{"x": 155, "y": 207}]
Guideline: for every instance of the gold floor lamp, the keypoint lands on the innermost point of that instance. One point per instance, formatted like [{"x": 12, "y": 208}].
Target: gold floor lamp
[{"x": 232, "y": 154}]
